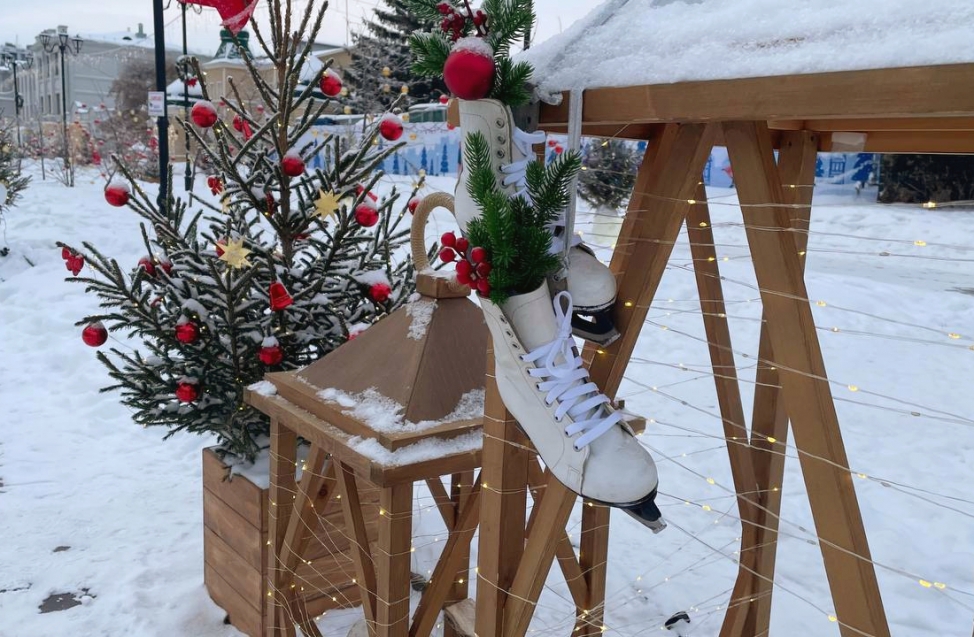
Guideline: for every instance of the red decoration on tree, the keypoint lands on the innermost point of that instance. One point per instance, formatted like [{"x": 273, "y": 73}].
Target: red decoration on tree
[
  {"x": 94, "y": 334},
  {"x": 222, "y": 243},
  {"x": 235, "y": 13},
  {"x": 166, "y": 266},
  {"x": 187, "y": 332},
  {"x": 271, "y": 355},
  {"x": 447, "y": 255},
  {"x": 280, "y": 298},
  {"x": 215, "y": 185},
  {"x": 359, "y": 189},
  {"x": 292, "y": 164},
  {"x": 187, "y": 391},
  {"x": 469, "y": 69},
  {"x": 380, "y": 292},
  {"x": 444, "y": 99},
  {"x": 147, "y": 264},
  {"x": 331, "y": 83},
  {"x": 413, "y": 204},
  {"x": 118, "y": 192},
  {"x": 72, "y": 261},
  {"x": 366, "y": 214},
  {"x": 203, "y": 114},
  {"x": 390, "y": 127}
]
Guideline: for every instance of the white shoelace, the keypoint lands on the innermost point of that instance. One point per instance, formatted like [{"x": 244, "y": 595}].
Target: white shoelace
[
  {"x": 517, "y": 171},
  {"x": 568, "y": 384}
]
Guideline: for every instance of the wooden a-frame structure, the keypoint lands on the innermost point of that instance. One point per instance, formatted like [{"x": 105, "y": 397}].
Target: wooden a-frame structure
[{"x": 918, "y": 110}]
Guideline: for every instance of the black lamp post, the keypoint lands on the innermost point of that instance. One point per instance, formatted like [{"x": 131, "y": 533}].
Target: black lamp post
[
  {"x": 14, "y": 59},
  {"x": 64, "y": 43}
]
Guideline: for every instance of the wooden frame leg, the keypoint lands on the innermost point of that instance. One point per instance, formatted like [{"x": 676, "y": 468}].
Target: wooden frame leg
[
  {"x": 279, "y": 622},
  {"x": 769, "y": 422},
  {"x": 392, "y": 556},
  {"x": 807, "y": 395},
  {"x": 361, "y": 547}
]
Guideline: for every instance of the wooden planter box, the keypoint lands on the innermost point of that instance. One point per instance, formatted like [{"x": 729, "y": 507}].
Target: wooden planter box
[{"x": 235, "y": 551}]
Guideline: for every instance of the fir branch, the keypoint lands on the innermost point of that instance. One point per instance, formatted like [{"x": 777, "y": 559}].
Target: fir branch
[
  {"x": 430, "y": 51},
  {"x": 511, "y": 82},
  {"x": 510, "y": 20}
]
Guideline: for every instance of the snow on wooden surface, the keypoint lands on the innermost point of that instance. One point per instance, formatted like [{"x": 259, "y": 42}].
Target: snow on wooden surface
[{"x": 637, "y": 42}]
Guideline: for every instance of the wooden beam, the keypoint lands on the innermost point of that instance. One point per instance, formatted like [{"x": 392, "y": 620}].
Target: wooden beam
[
  {"x": 284, "y": 448},
  {"x": 933, "y": 142},
  {"x": 925, "y": 91},
  {"x": 769, "y": 422},
  {"x": 807, "y": 395},
  {"x": 707, "y": 272},
  {"x": 361, "y": 547},
  {"x": 392, "y": 555},
  {"x": 504, "y": 479},
  {"x": 463, "y": 489},
  {"x": 871, "y": 124}
]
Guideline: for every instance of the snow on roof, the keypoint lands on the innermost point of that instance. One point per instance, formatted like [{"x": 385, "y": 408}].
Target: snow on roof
[
  {"x": 638, "y": 42},
  {"x": 128, "y": 38}
]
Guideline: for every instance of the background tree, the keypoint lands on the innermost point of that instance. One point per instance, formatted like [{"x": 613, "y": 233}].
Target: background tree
[
  {"x": 286, "y": 266},
  {"x": 12, "y": 183},
  {"x": 385, "y": 44},
  {"x": 923, "y": 178},
  {"x": 608, "y": 173},
  {"x": 135, "y": 79}
]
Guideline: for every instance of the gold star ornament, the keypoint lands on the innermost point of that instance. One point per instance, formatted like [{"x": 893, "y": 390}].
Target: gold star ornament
[
  {"x": 235, "y": 254},
  {"x": 326, "y": 204}
]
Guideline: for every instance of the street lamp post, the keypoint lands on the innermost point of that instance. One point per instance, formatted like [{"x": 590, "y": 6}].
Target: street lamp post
[
  {"x": 63, "y": 44},
  {"x": 14, "y": 59}
]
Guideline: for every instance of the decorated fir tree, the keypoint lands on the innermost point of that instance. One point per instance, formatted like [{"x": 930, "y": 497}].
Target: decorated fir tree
[
  {"x": 12, "y": 182},
  {"x": 608, "y": 173},
  {"x": 382, "y": 62},
  {"x": 290, "y": 263}
]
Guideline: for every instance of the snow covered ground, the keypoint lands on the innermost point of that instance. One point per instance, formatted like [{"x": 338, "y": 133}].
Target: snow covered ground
[{"x": 76, "y": 472}]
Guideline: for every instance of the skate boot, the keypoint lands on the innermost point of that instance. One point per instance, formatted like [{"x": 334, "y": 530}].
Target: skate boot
[
  {"x": 588, "y": 280},
  {"x": 577, "y": 433}
]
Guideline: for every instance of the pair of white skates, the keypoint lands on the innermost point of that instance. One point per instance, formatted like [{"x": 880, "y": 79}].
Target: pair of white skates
[{"x": 580, "y": 437}]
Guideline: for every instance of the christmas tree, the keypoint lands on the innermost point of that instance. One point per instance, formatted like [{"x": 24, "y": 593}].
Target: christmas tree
[
  {"x": 11, "y": 181},
  {"x": 381, "y": 61},
  {"x": 289, "y": 264},
  {"x": 608, "y": 173}
]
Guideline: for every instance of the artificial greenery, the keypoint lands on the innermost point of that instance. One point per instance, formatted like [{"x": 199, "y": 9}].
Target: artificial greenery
[
  {"x": 508, "y": 21},
  {"x": 514, "y": 230}
]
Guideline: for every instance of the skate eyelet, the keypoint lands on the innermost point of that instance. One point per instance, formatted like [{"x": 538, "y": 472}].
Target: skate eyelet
[
  {"x": 501, "y": 154},
  {"x": 501, "y": 139},
  {"x": 515, "y": 346},
  {"x": 500, "y": 122}
]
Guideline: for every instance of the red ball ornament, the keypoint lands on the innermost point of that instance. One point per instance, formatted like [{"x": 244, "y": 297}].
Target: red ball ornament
[
  {"x": 94, "y": 334},
  {"x": 166, "y": 266},
  {"x": 413, "y": 204},
  {"x": 366, "y": 214},
  {"x": 187, "y": 332},
  {"x": 187, "y": 392},
  {"x": 449, "y": 239},
  {"x": 478, "y": 255},
  {"x": 462, "y": 245},
  {"x": 331, "y": 83},
  {"x": 271, "y": 355},
  {"x": 469, "y": 69},
  {"x": 447, "y": 255},
  {"x": 148, "y": 265},
  {"x": 280, "y": 298},
  {"x": 444, "y": 99},
  {"x": 390, "y": 127},
  {"x": 292, "y": 164},
  {"x": 238, "y": 123},
  {"x": 118, "y": 192},
  {"x": 380, "y": 292},
  {"x": 203, "y": 114}
]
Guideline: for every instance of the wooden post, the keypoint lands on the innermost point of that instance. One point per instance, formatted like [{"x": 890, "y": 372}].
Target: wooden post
[
  {"x": 806, "y": 392},
  {"x": 707, "y": 272},
  {"x": 796, "y": 168},
  {"x": 461, "y": 490},
  {"x": 504, "y": 479},
  {"x": 361, "y": 547},
  {"x": 391, "y": 555},
  {"x": 284, "y": 448}
]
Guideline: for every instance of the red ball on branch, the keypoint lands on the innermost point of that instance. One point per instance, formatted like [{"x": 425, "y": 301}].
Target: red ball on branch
[
  {"x": 413, "y": 204},
  {"x": 118, "y": 192},
  {"x": 380, "y": 292},
  {"x": 147, "y": 264},
  {"x": 203, "y": 114},
  {"x": 469, "y": 69},
  {"x": 187, "y": 392},
  {"x": 444, "y": 99},
  {"x": 330, "y": 84},
  {"x": 94, "y": 334},
  {"x": 366, "y": 214},
  {"x": 271, "y": 355},
  {"x": 166, "y": 266},
  {"x": 187, "y": 332},
  {"x": 292, "y": 164},
  {"x": 390, "y": 127}
]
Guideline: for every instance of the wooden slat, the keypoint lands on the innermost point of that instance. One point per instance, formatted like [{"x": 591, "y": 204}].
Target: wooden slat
[
  {"x": 796, "y": 166},
  {"x": 279, "y": 621},
  {"x": 504, "y": 480},
  {"x": 707, "y": 273},
  {"x": 926, "y": 91},
  {"x": 303, "y": 515},
  {"x": 391, "y": 558},
  {"x": 347, "y": 597},
  {"x": 243, "y": 616},
  {"x": 242, "y": 537},
  {"x": 361, "y": 547},
  {"x": 240, "y": 494},
  {"x": 442, "y": 500},
  {"x": 933, "y": 142},
  {"x": 866, "y": 124},
  {"x": 242, "y": 577},
  {"x": 462, "y": 489},
  {"x": 807, "y": 395}
]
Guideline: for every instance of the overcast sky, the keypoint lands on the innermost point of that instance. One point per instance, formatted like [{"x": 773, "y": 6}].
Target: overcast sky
[{"x": 21, "y": 21}]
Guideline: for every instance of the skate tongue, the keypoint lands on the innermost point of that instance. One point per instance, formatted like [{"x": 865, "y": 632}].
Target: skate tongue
[{"x": 532, "y": 317}]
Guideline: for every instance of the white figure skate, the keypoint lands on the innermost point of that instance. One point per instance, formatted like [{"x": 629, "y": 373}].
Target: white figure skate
[{"x": 588, "y": 280}]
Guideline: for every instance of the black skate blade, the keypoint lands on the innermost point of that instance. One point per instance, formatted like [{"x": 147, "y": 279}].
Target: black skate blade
[
  {"x": 596, "y": 327},
  {"x": 647, "y": 513}
]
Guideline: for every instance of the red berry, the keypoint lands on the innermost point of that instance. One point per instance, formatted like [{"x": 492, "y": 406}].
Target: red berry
[
  {"x": 479, "y": 18},
  {"x": 445, "y": 24},
  {"x": 366, "y": 215},
  {"x": 187, "y": 332},
  {"x": 94, "y": 334},
  {"x": 271, "y": 355},
  {"x": 147, "y": 264},
  {"x": 447, "y": 255},
  {"x": 483, "y": 269},
  {"x": 166, "y": 266},
  {"x": 462, "y": 245},
  {"x": 464, "y": 279},
  {"x": 380, "y": 292},
  {"x": 465, "y": 268},
  {"x": 449, "y": 239},
  {"x": 444, "y": 8},
  {"x": 483, "y": 286},
  {"x": 187, "y": 392},
  {"x": 478, "y": 255}
]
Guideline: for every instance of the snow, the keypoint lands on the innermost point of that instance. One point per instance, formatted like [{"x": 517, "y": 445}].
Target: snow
[
  {"x": 383, "y": 414},
  {"x": 473, "y": 44},
  {"x": 429, "y": 449},
  {"x": 371, "y": 277},
  {"x": 77, "y": 472},
  {"x": 421, "y": 312},
  {"x": 637, "y": 42},
  {"x": 264, "y": 387}
]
